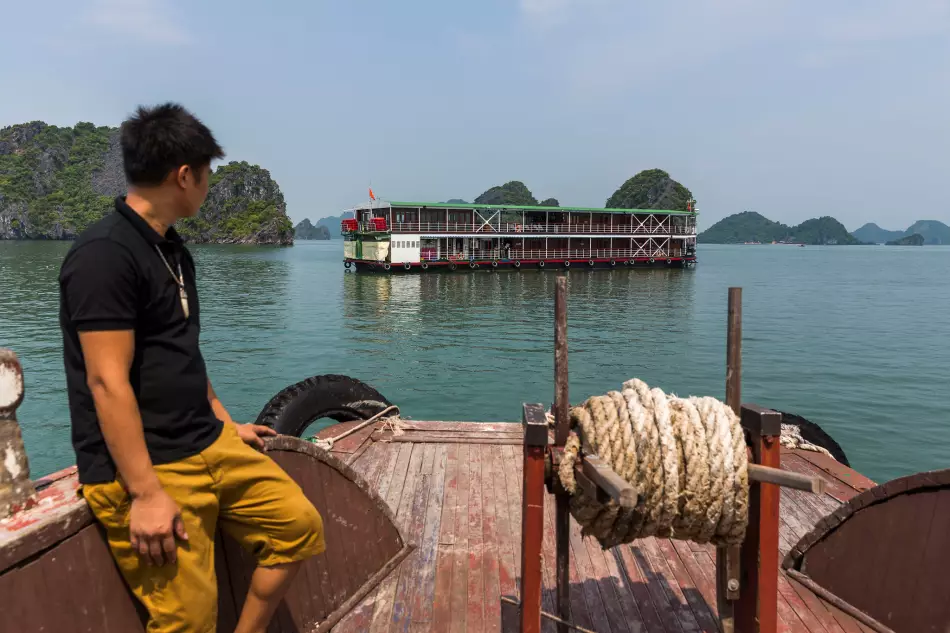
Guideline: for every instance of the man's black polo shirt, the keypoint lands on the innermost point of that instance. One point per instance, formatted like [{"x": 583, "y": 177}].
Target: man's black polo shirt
[{"x": 113, "y": 279}]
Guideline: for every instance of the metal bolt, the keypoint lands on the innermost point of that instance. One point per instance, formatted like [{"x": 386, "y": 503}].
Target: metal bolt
[{"x": 733, "y": 584}]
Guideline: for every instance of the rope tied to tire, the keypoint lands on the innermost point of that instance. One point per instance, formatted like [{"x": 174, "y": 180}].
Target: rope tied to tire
[{"x": 686, "y": 457}]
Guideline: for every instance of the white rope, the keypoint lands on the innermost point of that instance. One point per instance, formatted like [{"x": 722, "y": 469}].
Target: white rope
[
  {"x": 686, "y": 457},
  {"x": 792, "y": 438},
  {"x": 327, "y": 443}
]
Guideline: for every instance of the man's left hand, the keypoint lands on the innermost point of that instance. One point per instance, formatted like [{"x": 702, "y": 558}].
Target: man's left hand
[{"x": 253, "y": 434}]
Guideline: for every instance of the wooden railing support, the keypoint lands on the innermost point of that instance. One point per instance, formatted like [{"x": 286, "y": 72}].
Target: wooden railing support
[
  {"x": 757, "y": 608},
  {"x": 532, "y": 515},
  {"x": 562, "y": 515},
  {"x": 16, "y": 489}
]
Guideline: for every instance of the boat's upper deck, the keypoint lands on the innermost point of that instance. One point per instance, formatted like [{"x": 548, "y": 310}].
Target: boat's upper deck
[{"x": 427, "y": 218}]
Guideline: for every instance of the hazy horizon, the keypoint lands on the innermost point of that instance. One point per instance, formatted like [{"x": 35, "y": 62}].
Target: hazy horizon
[{"x": 792, "y": 109}]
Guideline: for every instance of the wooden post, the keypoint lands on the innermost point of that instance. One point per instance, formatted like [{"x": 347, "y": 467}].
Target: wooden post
[
  {"x": 562, "y": 516},
  {"x": 757, "y": 607},
  {"x": 532, "y": 516},
  {"x": 16, "y": 489},
  {"x": 728, "y": 558}
]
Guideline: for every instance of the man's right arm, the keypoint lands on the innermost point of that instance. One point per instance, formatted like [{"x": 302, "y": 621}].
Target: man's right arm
[{"x": 155, "y": 520}]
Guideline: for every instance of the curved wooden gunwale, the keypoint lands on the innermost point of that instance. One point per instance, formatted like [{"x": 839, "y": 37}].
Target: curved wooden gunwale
[{"x": 52, "y": 549}]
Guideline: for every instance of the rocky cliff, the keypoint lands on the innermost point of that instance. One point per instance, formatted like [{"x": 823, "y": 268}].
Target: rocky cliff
[
  {"x": 307, "y": 231},
  {"x": 651, "y": 189},
  {"x": 55, "y": 182}
]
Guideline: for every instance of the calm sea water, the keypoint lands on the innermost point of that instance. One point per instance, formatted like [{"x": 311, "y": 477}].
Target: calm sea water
[{"x": 853, "y": 338}]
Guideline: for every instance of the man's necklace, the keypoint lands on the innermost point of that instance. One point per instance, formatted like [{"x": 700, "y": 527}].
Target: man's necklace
[{"x": 179, "y": 279}]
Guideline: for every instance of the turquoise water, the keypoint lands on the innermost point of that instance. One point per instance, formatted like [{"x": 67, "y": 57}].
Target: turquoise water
[{"x": 853, "y": 338}]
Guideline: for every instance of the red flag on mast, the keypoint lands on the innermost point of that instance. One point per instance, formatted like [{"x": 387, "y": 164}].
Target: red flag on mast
[{"x": 371, "y": 195}]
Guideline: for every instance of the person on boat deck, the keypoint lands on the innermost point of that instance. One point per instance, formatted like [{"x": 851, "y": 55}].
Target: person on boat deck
[{"x": 161, "y": 463}]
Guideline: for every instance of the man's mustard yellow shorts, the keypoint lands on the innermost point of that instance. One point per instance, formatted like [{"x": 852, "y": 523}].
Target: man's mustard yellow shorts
[{"x": 228, "y": 484}]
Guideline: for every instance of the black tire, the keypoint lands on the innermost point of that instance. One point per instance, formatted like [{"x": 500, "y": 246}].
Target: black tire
[
  {"x": 494, "y": 264},
  {"x": 407, "y": 266},
  {"x": 540, "y": 264},
  {"x": 340, "y": 398},
  {"x": 652, "y": 261},
  {"x": 452, "y": 266},
  {"x": 567, "y": 264},
  {"x": 386, "y": 266},
  {"x": 669, "y": 261},
  {"x": 517, "y": 264},
  {"x": 472, "y": 265},
  {"x": 425, "y": 266},
  {"x": 590, "y": 263},
  {"x": 346, "y": 264},
  {"x": 613, "y": 263}
]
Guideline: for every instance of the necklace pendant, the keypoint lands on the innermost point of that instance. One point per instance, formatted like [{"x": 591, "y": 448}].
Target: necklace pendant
[{"x": 184, "y": 301}]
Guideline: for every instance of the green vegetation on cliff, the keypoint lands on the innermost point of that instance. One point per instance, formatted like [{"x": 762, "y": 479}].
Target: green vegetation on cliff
[
  {"x": 514, "y": 193},
  {"x": 651, "y": 189},
  {"x": 750, "y": 226},
  {"x": 307, "y": 231},
  {"x": 873, "y": 234},
  {"x": 55, "y": 182},
  {"x": 47, "y": 179},
  {"x": 910, "y": 240},
  {"x": 550, "y": 202}
]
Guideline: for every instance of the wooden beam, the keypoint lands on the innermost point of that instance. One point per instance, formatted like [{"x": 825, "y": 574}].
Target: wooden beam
[
  {"x": 727, "y": 558},
  {"x": 562, "y": 515},
  {"x": 786, "y": 479},
  {"x": 606, "y": 479},
  {"x": 532, "y": 517},
  {"x": 757, "y": 607}
]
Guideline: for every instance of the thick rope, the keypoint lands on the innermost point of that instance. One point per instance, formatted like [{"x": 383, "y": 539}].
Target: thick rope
[
  {"x": 792, "y": 438},
  {"x": 686, "y": 457}
]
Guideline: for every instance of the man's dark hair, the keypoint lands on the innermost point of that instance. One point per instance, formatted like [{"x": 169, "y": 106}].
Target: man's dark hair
[{"x": 159, "y": 139}]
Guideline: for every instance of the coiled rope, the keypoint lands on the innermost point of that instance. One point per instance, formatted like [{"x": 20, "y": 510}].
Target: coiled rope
[{"x": 686, "y": 457}]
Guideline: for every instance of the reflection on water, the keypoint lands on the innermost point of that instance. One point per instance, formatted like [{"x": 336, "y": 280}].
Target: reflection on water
[{"x": 852, "y": 338}]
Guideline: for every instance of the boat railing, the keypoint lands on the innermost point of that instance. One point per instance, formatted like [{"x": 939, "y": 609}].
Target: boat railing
[
  {"x": 552, "y": 254},
  {"x": 542, "y": 229}
]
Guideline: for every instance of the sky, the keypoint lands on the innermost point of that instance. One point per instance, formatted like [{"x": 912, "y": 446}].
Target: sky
[{"x": 795, "y": 109}]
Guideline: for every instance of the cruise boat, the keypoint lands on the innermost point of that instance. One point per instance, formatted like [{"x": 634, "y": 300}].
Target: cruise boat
[{"x": 429, "y": 236}]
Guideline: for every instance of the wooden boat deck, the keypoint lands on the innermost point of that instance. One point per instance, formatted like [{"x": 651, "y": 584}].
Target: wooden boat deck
[{"x": 455, "y": 489}]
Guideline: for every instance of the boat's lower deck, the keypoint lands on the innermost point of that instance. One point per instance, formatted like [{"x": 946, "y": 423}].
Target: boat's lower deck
[
  {"x": 517, "y": 264},
  {"x": 456, "y": 488}
]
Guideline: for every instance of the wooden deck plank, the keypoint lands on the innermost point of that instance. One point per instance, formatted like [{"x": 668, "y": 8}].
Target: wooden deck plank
[
  {"x": 463, "y": 427},
  {"x": 587, "y": 578},
  {"x": 459, "y": 599},
  {"x": 811, "y": 622},
  {"x": 703, "y": 582},
  {"x": 420, "y": 470},
  {"x": 491, "y": 549},
  {"x": 628, "y": 604},
  {"x": 706, "y": 562},
  {"x": 580, "y": 613},
  {"x": 667, "y": 582},
  {"x": 604, "y": 584},
  {"x": 815, "y": 605},
  {"x": 689, "y": 586},
  {"x": 475, "y": 606},
  {"x": 423, "y": 592},
  {"x": 847, "y": 476},
  {"x": 639, "y": 586},
  {"x": 507, "y": 574},
  {"x": 399, "y": 497}
]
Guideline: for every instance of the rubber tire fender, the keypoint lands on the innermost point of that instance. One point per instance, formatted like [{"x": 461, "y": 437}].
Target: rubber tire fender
[{"x": 339, "y": 398}]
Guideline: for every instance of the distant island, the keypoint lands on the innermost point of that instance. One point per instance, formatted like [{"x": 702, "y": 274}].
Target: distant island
[
  {"x": 55, "y": 182},
  {"x": 750, "y": 226},
  {"x": 910, "y": 240},
  {"x": 307, "y": 231},
  {"x": 934, "y": 232}
]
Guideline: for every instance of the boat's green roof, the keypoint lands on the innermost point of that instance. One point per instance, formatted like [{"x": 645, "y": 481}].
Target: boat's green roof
[{"x": 518, "y": 207}]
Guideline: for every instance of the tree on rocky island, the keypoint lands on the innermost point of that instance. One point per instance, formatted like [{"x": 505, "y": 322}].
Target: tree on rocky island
[
  {"x": 550, "y": 202},
  {"x": 513, "y": 193},
  {"x": 651, "y": 189},
  {"x": 307, "y": 231}
]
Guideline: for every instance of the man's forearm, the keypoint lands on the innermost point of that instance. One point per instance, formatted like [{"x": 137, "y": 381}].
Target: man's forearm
[
  {"x": 121, "y": 424},
  {"x": 219, "y": 411}
]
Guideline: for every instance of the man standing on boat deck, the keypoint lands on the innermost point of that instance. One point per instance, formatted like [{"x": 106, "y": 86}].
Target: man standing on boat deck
[{"x": 160, "y": 461}]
